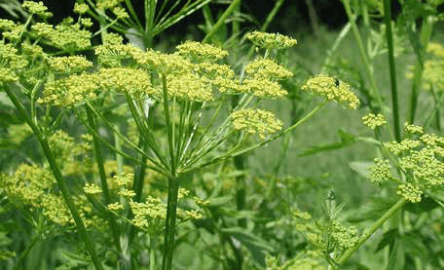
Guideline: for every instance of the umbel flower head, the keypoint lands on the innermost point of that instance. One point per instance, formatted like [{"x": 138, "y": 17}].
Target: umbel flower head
[
  {"x": 270, "y": 41},
  {"x": 332, "y": 89},
  {"x": 372, "y": 121},
  {"x": 199, "y": 52},
  {"x": 256, "y": 121},
  {"x": 420, "y": 158}
]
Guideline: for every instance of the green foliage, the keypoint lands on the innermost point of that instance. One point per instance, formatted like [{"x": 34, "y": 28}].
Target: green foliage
[{"x": 118, "y": 155}]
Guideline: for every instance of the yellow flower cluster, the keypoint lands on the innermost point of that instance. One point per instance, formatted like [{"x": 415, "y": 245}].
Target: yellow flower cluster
[
  {"x": 66, "y": 36},
  {"x": 200, "y": 52},
  {"x": 37, "y": 8},
  {"x": 189, "y": 86},
  {"x": 69, "y": 64},
  {"x": 270, "y": 41},
  {"x": 372, "y": 121},
  {"x": 410, "y": 192},
  {"x": 73, "y": 157},
  {"x": 332, "y": 89},
  {"x": 267, "y": 69},
  {"x": 11, "y": 63},
  {"x": 412, "y": 129},
  {"x": 92, "y": 189},
  {"x": 433, "y": 71},
  {"x": 381, "y": 171},
  {"x": 420, "y": 158},
  {"x": 76, "y": 89},
  {"x": 256, "y": 121},
  {"x": 80, "y": 8}
]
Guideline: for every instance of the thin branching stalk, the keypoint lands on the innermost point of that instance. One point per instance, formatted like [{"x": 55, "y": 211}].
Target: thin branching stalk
[
  {"x": 59, "y": 178},
  {"x": 221, "y": 21},
  {"x": 170, "y": 223},
  {"x": 393, "y": 210},
  {"x": 363, "y": 54},
  {"x": 392, "y": 71},
  {"x": 103, "y": 181},
  {"x": 425, "y": 34}
]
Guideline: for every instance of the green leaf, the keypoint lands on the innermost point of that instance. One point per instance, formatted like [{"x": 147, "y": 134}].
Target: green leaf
[
  {"x": 346, "y": 139},
  {"x": 397, "y": 255},
  {"x": 425, "y": 205},
  {"x": 254, "y": 244},
  {"x": 361, "y": 167}
]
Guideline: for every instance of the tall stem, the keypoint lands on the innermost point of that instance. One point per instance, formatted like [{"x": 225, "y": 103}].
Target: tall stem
[
  {"x": 103, "y": 181},
  {"x": 169, "y": 242},
  {"x": 59, "y": 178},
  {"x": 398, "y": 205},
  {"x": 392, "y": 70}
]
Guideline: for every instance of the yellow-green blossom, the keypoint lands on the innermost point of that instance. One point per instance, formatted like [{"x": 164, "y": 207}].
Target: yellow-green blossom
[
  {"x": 342, "y": 236},
  {"x": 115, "y": 206},
  {"x": 267, "y": 69},
  {"x": 264, "y": 88},
  {"x": 56, "y": 210},
  {"x": 380, "y": 171},
  {"x": 120, "y": 13},
  {"x": 86, "y": 22},
  {"x": 7, "y": 76},
  {"x": 229, "y": 86},
  {"x": 372, "y": 121},
  {"x": 107, "y": 4},
  {"x": 72, "y": 90},
  {"x": 270, "y": 41},
  {"x": 397, "y": 148},
  {"x": 435, "y": 49},
  {"x": 80, "y": 8},
  {"x": 189, "y": 87},
  {"x": 28, "y": 184},
  {"x": 113, "y": 39},
  {"x": 410, "y": 192},
  {"x": 69, "y": 64},
  {"x": 200, "y": 52},
  {"x": 256, "y": 121},
  {"x": 412, "y": 129},
  {"x": 18, "y": 133},
  {"x": 126, "y": 193},
  {"x": 6, "y": 255},
  {"x": 7, "y": 24},
  {"x": 92, "y": 189},
  {"x": 332, "y": 89},
  {"x": 9, "y": 58},
  {"x": 212, "y": 70},
  {"x": 127, "y": 80},
  {"x": 36, "y": 8},
  {"x": 167, "y": 64}
]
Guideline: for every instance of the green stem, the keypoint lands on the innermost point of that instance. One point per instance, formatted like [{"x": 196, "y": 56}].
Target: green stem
[
  {"x": 231, "y": 153},
  {"x": 19, "y": 264},
  {"x": 363, "y": 54},
  {"x": 398, "y": 205},
  {"x": 222, "y": 20},
  {"x": 169, "y": 242},
  {"x": 59, "y": 178},
  {"x": 392, "y": 70},
  {"x": 425, "y": 34},
  {"x": 103, "y": 180}
]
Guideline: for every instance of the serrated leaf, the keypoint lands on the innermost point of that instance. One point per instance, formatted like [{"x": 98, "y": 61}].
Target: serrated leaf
[
  {"x": 346, "y": 139},
  {"x": 397, "y": 255},
  {"x": 254, "y": 244},
  {"x": 425, "y": 205},
  {"x": 388, "y": 239},
  {"x": 361, "y": 167}
]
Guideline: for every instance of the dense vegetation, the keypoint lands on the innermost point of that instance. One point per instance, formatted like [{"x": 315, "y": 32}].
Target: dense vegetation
[{"x": 127, "y": 145}]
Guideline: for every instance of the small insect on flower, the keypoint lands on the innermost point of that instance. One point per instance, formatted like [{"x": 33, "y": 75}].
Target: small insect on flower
[{"x": 337, "y": 82}]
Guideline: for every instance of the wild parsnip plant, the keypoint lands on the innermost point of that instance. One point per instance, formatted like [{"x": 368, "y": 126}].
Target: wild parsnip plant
[
  {"x": 74, "y": 188},
  {"x": 132, "y": 147}
]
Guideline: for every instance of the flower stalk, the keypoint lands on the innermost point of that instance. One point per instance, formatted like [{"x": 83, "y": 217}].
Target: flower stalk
[{"x": 59, "y": 178}]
